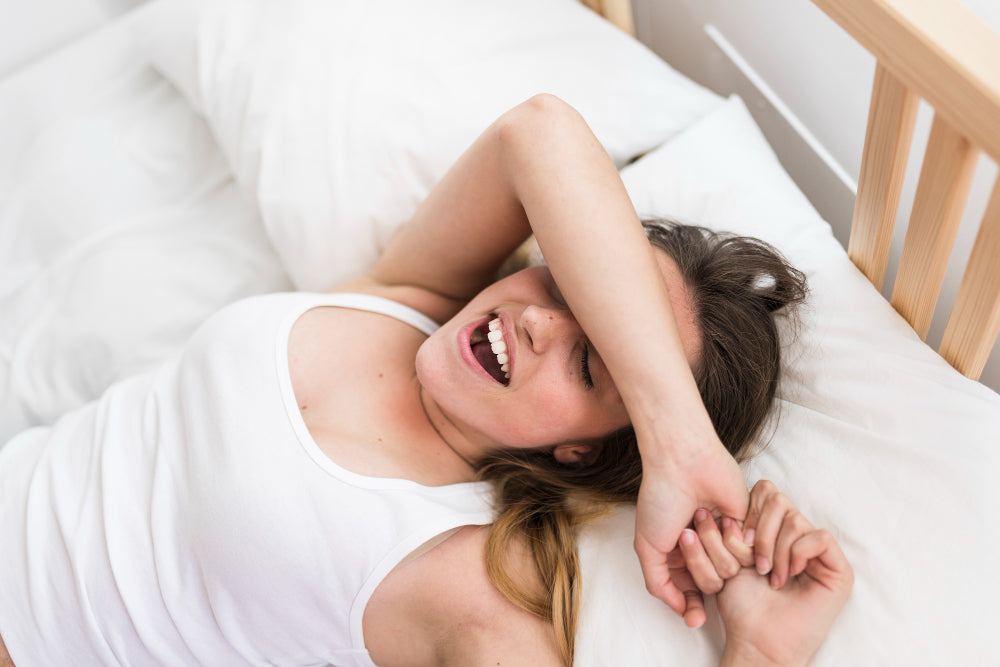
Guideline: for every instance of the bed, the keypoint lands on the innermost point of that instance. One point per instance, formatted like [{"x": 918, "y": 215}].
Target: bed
[{"x": 181, "y": 155}]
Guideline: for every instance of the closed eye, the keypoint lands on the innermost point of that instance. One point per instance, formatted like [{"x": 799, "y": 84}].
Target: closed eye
[{"x": 588, "y": 379}]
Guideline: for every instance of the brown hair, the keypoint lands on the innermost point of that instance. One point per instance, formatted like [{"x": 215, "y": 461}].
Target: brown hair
[{"x": 736, "y": 283}]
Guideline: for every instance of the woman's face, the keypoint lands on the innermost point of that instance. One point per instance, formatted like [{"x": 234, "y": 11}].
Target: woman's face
[{"x": 558, "y": 391}]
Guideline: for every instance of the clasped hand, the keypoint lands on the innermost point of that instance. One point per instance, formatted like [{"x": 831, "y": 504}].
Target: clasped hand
[{"x": 780, "y": 582}]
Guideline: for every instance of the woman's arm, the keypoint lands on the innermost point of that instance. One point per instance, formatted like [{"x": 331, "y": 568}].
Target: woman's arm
[
  {"x": 540, "y": 169},
  {"x": 454, "y": 244}
]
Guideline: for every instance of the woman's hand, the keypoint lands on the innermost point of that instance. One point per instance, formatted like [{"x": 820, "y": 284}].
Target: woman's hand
[
  {"x": 669, "y": 495},
  {"x": 779, "y": 610},
  {"x": 704, "y": 560}
]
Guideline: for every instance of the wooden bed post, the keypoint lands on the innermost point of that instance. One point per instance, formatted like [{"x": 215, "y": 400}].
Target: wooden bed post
[
  {"x": 891, "y": 117},
  {"x": 975, "y": 318},
  {"x": 945, "y": 179}
]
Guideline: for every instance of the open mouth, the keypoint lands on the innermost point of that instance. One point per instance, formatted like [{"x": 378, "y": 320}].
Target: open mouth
[{"x": 490, "y": 350}]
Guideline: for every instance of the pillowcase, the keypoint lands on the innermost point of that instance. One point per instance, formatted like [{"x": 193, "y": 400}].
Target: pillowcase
[
  {"x": 338, "y": 117},
  {"x": 877, "y": 439}
]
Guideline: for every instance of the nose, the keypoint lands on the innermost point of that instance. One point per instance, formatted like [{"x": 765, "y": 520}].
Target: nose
[{"x": 545, "y": 327}]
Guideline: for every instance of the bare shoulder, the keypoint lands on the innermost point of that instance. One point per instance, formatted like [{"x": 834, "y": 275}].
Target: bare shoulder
[
  {"x": 5, "y": 660},
  {"x": 441, "y": 608},
  {"x": 436, "y": 306}
]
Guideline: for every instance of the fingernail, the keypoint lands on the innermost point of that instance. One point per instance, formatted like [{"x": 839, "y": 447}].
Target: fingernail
[
  {"x": 749, "y": 536},
  {"x": 687, "y": 536},
  {"x": 774, "y": 580},
  {"x": 700, "y": 515},
  {"x": 726, "y": 522},
  {"x": 763, "y": 565}
]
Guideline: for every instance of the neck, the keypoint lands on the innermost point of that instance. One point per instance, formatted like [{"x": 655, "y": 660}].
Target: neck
[{"x": 448, "y": 436}]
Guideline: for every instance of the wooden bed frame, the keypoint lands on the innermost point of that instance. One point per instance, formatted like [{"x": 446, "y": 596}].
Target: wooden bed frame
[
  {"x": 942, "y": 53},
  {"x": 938, "y": 51}
]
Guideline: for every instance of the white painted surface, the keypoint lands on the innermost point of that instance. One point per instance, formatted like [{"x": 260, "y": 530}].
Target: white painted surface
[{"x": 823, "y": 79}]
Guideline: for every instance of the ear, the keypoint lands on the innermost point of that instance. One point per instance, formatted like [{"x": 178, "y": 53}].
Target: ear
[{"x": 577, "y": 455}]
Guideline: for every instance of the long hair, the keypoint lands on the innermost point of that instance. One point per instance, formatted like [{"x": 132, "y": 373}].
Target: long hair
[{"x": 736, "y": 283}]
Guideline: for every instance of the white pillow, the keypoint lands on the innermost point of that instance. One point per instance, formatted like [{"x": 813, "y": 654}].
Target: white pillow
[
  {"x": 338, "y": 117},
  {"x": 121, "y": 227},
  {"x": 878, "y": 439}
]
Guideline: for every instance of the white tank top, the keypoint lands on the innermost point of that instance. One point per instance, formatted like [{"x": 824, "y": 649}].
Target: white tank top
[{"x": 187, "y": 517}]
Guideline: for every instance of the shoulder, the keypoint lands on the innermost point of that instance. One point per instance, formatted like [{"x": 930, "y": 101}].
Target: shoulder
[
  {"x": 436, "y": 306},
  {"x": 447, "y": 604}
]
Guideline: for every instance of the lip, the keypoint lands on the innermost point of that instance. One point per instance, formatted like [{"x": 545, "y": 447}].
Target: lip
[{"x": 465, "y": 345}]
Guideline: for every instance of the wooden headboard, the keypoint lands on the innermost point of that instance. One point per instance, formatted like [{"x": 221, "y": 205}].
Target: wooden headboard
[{"x": 938, "y": 51}]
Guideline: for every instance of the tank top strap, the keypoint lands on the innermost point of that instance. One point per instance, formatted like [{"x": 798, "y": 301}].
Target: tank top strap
[{"x": 380, "y": 305}]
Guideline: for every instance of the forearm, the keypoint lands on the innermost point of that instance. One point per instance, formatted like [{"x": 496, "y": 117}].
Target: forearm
[{"x": 599, "y": 255}]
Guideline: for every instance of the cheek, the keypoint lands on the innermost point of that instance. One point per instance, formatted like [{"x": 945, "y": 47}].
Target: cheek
[{"x": 550, "y": 414}]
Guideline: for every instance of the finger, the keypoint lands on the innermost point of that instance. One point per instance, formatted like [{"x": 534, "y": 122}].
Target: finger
[
  {"x": 725, "y": 563},
  {"x": 699, "y": 564},
  {"x": 772, "y": 515},
  {"x": 732, "y": 538},
  {"x": 794, "y": 526},
  {"x": 761, "y": 491},
  {"x": 818, "y": 555},
  {"x": 657, "y": 576},
  {"x": 694, "y": 614}
]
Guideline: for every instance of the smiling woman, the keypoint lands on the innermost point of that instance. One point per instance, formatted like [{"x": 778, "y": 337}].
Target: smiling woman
[{"x": 414, "y": 490}]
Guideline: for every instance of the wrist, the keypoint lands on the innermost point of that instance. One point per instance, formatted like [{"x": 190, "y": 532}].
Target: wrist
[
  {"x": 674, "y": 442},
  {"x": 742, "y": 654}
]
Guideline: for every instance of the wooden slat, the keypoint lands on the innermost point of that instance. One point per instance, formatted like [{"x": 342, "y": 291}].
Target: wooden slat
[
  {"x": 941, "y": 51},
  {"x": 891, "y": 118},
  {"x": 618, "y": 12},
  {"x": 975, "y": 320},
  {"x": 945, "y": 178}
]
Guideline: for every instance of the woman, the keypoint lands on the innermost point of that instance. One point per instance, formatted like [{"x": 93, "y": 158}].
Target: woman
[{"x": 305, "y": 471}]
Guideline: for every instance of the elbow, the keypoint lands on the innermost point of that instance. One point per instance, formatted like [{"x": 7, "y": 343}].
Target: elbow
[
  {"x": 539, "y": 115},
  {"x": 545, "y": 105},
  {"x": 536, "y": 125}
]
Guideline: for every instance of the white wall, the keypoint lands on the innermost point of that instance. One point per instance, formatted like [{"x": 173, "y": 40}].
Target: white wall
[{"x": 813, "y": 71}]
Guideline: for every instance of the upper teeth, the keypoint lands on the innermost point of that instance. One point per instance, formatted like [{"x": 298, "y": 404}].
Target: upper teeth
[{"x": 495, "y": 336}]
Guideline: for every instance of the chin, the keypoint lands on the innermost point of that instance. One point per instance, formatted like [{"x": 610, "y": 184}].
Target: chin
[
  {"x": 424, "y": 363},
  {"x": 432, "y": 374}
]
